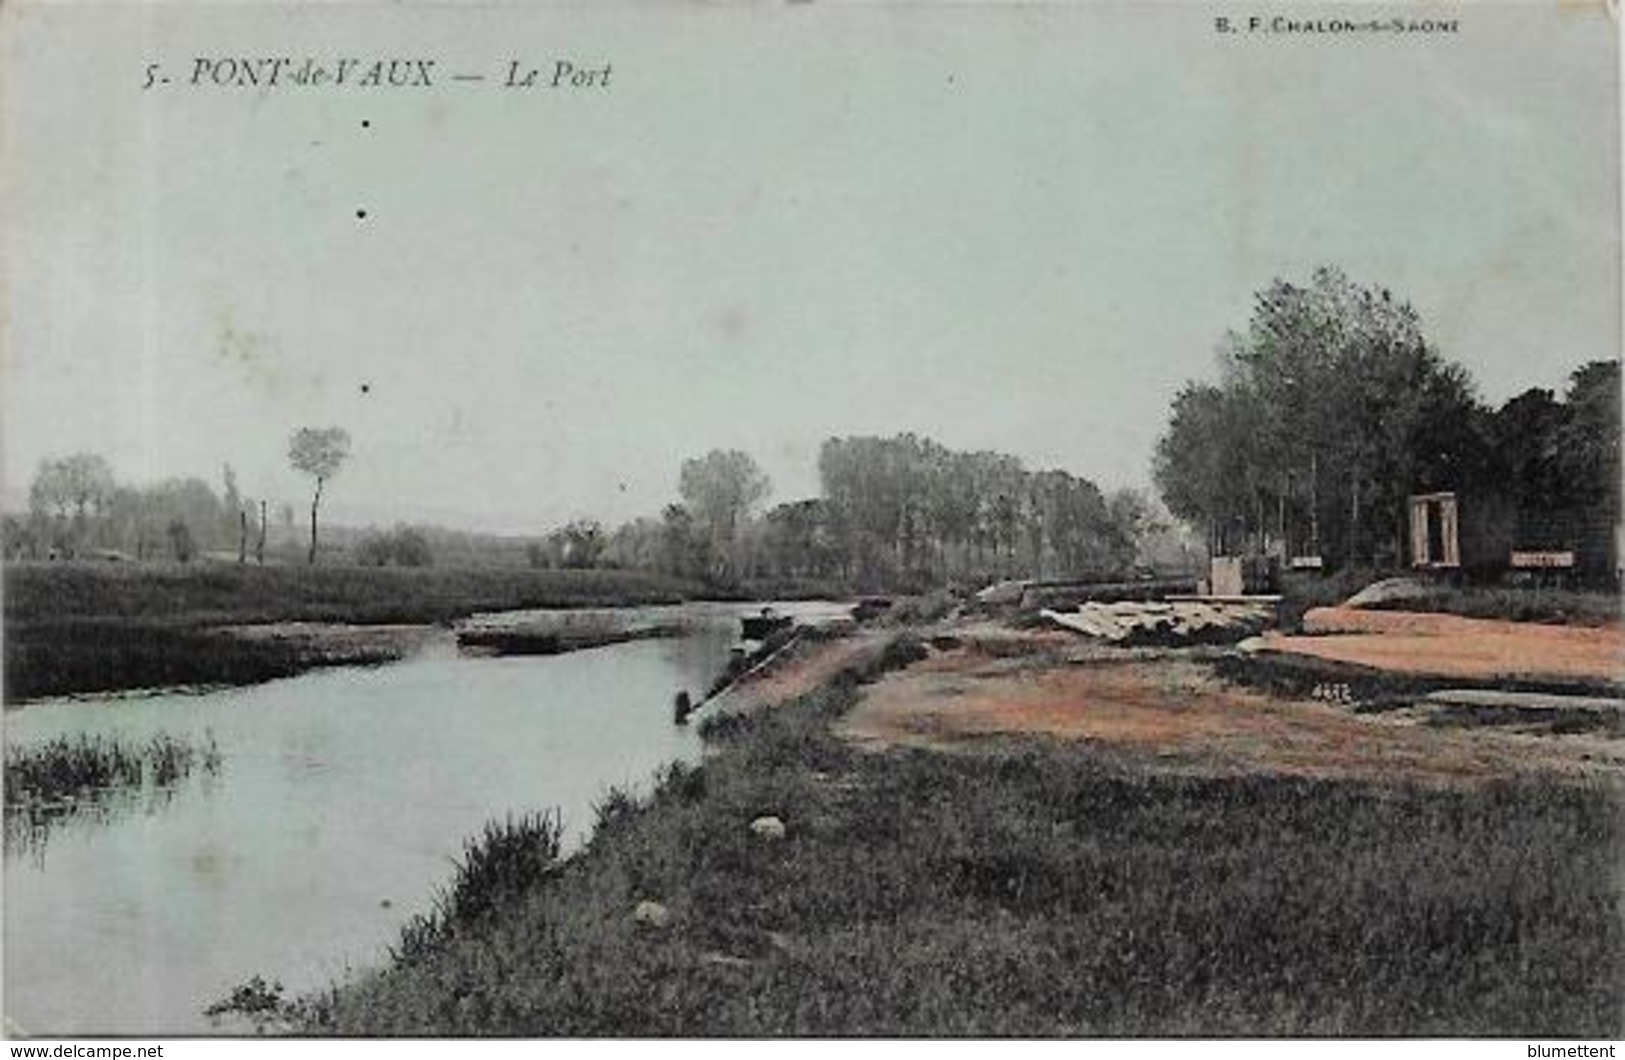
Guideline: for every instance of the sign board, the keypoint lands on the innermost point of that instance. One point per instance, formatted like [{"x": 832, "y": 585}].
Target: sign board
[{"x": 1533, "y": 559}]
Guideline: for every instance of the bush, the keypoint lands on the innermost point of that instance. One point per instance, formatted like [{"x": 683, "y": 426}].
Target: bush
[
  {"x": 499, "y": 866},
  {"x": 401, "y": 547}
]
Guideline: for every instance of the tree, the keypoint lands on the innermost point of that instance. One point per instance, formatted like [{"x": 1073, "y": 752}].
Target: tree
[
  {"x": 181, "y": 546},
  {"x": 1133, "y": 520},
  {"x": 22, "y": 536},
  {"x": 236, "y": 513},
  {"x": 319, "y": 453},
  {"x": 580, "y": 544},
  {"x": 720, "y": 490},
  {"x": 187, "y": 500},
  {"x": 795, "y": 539},
  {"x": 635, "y": 545},
  {"x": 1589, "y": 439},
  {"x": 1201, "y": 460},
  {"x": 68, "y": 493},
  {"x": 1589, "y": 462},
  {"x": 685, "y": 552},
  {"x": 1331, "y": 409},
  {"x": 1071, "y": 528}
]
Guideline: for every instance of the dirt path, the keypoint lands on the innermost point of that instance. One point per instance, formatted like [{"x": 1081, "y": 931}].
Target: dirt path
[
  {"x": 1452, "y": 646},
  {"x": 1174, "y": 711},
  {"x": 803, "y": 669}
]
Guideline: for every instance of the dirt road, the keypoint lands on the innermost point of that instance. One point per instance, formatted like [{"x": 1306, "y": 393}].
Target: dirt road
[{"x": 802, "y": 669}]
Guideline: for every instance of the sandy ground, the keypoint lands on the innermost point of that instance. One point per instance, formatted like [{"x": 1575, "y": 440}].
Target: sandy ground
[
  {"x": 1452, "y": 646},
  {"x": 1172, "y": 710}
]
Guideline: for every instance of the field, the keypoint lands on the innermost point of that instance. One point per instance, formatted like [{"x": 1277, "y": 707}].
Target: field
[
  {"x": 994, "y": 882},
  {"x": 99, "y": 627}
]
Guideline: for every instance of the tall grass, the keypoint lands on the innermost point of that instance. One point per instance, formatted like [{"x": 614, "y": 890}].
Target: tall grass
[{"x": 498, "y": 867}]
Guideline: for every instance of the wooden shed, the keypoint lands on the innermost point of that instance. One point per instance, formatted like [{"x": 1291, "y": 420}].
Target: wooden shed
[{"x": 1435, "y": 531}]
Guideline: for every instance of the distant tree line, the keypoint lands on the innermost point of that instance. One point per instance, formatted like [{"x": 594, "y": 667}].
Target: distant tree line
[
  {"x": 898, "y": 512},
  {"x": 76, "y": 509},
  {"x": 1332, "y": 408},
  {"x": 909, "y": 508},
  {"x": 903, "y": 511}
]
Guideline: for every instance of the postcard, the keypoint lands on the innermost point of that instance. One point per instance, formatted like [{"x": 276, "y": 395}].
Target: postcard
[{"x": 811, "y": 519}]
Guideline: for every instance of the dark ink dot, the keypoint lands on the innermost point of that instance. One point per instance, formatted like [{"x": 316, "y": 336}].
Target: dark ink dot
[
  {"x": 365, "y": 124},
  {"x": 361, "y": 215},
  {"x": 366, "y": 388}
]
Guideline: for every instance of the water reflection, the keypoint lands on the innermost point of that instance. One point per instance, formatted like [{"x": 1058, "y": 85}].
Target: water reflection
[
  {"x": 91, "y": 780},
  {"x": 29, "y": 826}
]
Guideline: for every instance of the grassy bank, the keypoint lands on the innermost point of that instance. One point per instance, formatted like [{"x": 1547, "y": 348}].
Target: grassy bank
[
  {"x": 1584, "y": 607},
  {"x": 103, "y": 627},
  {"x": 1526, "y": 603},
  {"x": 1040, "y": 889}
]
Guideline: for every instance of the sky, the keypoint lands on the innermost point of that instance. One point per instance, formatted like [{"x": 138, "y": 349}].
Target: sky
[{"x": 1013, "y": 227}]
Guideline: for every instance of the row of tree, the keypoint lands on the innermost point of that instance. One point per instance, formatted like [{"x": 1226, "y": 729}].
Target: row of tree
[
  {"x": 899, "y": 511},
  {"x": 911, "y": 508},
  {"x": 76, "y": 508},
  {"x": 1332, "y": 408}
]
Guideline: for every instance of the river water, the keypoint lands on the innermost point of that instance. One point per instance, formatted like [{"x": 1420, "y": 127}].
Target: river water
[{"x": 342, "y": 799}]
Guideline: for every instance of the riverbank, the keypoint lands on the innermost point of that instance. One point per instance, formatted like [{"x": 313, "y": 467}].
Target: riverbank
[
  {"x": 100, "y": 627},
  {"x": 894, "y": 850}
]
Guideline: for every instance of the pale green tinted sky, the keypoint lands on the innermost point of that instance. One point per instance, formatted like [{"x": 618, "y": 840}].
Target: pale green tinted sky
[{"x": 1018, "y": 228}]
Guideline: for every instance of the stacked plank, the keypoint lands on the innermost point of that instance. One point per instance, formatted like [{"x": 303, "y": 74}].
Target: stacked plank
[{"x": 1185, "y": 621}]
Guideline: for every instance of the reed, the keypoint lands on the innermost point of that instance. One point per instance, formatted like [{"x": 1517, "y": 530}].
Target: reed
[
  {"x": 74, "y": 767},
  {"x": 499, "y": 866}
]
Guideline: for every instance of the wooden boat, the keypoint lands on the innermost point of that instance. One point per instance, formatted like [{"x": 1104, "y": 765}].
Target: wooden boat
[{"x": 764, "y": 625}]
